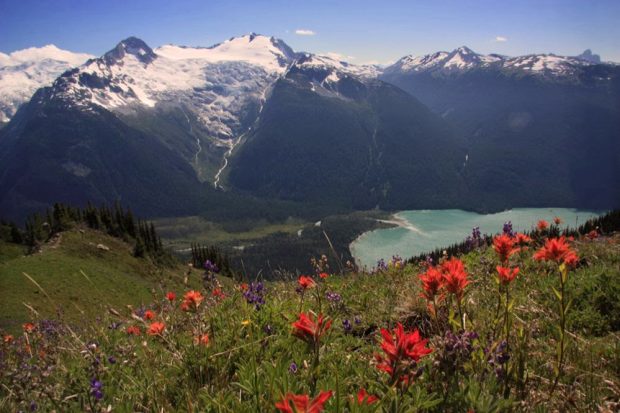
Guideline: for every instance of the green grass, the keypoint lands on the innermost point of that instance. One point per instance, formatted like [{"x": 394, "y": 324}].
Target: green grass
[{"x": 78, "y": 277}]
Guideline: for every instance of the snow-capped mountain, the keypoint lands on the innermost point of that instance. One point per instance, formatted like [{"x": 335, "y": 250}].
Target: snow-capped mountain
[
  {"x": 24, "y": 71},
  {"x": 464, "y": 59},
  {"x": 217, "y": 84}
]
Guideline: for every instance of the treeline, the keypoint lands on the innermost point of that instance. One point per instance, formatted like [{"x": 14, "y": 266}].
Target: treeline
[
  {"x": 604, "y": 224},
  {"x": 113, "y": 220},
  {"x": 201, "y": 253}
]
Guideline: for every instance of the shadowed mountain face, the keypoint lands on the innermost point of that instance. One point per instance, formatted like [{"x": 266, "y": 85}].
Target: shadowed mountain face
[
  {"x": 161, "y": 128},
  {"x": 533, "y": 138}
]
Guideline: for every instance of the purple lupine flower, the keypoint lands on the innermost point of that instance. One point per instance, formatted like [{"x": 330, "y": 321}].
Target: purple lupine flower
[
  {"x": 211, "y": 267},
  {"x": 357, "y": 319},
  {"x": 268, "y": 329},
  {"x": 293, "y": 368},
  {"x": 254, "y": 295},
  {"x": 112, "y": 360},
  {"x": 396, "y": 262},
  {"x": 33, "y": 406},
  {"x": 346, "y": 324},
  {"x": 381, "y": 265},
  {"x": 333, "y": 297},
  {"x": 96, "y": 388},
  {"x": 507, "y": 230}
]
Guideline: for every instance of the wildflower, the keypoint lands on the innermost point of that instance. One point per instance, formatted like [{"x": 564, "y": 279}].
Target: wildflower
[
  {"x": 112, "y": 360},
  {"x": 556, "y": 249},
  {"x": 170, "y": 296},
  {"x": 454, "y": 277},
  {"x": 504, "y": 246},
  {"x": 218, "y": 293},
  {"x": 401, "y": 354},
  {"x": 293, "y": 368},
  {"x": 542, "y": 225},
  {"x": 149, "y": 315},
  {"x": 254, "y": 294},
  {"x": 28, "y": 327},
  {"x": 522, "y": 239},
  {"x": 133, "y": 330},
  {"x": 506, "y": 275},
  {"x": 96, "y": 389},
  {"x": 571, "y": 259},
  {"x": 246, "y": 323},
  {"x": 311, "y": 329},
  {"x": 365, "y": 398},
  {"x": 156, "y": 329},
  {"x": 8, "y": 339},
  {"x": 243, "y": 286},
  {"x": 305, "y": 282},
  {"x": 592, "y": 235},
  {"x": 202, "y": 340},
  {"x": 557, "y": 220},
  {"x": 357, "y": 319},
  {"x": 211, "y": 267},
  {"x": 333, "y": 297},
  {"x": 507, "y": 229},
  {"x": 323, "y": 275},
  {"x": 432, "y": 281},
  {"x": 346, "y": 324},
  {"x": 302, "y": 404},
  {"x": 192, "y": 300}
]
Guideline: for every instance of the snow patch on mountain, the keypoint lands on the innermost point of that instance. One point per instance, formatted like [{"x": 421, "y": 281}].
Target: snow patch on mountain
[
  {"x": 24, "y": 71},
  {"x": 464, "y": 59},
  {"x": 217, "y": 84}
]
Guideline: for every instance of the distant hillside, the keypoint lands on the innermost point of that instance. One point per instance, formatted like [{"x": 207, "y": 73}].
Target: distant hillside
[{"x": 80, "y": 270}]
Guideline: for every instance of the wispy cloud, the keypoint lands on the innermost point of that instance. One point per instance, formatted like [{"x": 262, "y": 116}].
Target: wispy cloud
[
  {"x": 304, "y": 32},
  {"x": 339, "y": 56},
  {"x": 501, "y": 39}
]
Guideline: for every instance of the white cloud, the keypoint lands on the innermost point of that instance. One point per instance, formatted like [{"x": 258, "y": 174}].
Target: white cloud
[
  {"x": 339, "y": 56},
  {"x": 501, "y": 39},
  {"x": 304, "y": 32}
]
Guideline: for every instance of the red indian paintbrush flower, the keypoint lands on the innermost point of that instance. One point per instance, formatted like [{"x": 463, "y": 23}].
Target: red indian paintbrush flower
[
  {"x": 202, "y": 340},
  {"x": 432, "y": 281},
  {"x": 504, "y": 246},
  {"x": 301, "y": 403},
  {"x": 558, "y": 250},
  {"x": 28, "y": 327},
  {"x": 401, "y": 354},
  {"x": 149, "y": 315},
  {"x": 506, "y": 275},
  {"x": 522, "y": 239},
  {"x": 192, "y": 300},
  {"x": 542, "y": 225},
  {"x": 323, "y": 275},
  {"x": 557, "y": 220},
  {"x": 170, "y": 296},
  {"x": 218, "y": 293},
  {"x": 310, "y": 329},
  {"x": 454, "y": 277},
  {"x": 8, "y": 339},
  {"x": 305, "y": 282},
  {"x": 365, "y": 398},
  {"x": 133, "y": 330},
  {"x": 156, "y": 329}
]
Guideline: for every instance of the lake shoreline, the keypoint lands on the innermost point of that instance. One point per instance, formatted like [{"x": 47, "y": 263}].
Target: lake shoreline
[{"x": 426, "y": 230}]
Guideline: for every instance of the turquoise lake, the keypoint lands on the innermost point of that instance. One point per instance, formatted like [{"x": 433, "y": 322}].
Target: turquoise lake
[{"x": 424, "y": 230}]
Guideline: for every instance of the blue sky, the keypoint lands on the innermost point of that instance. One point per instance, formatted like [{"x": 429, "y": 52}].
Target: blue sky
[{"x": 362, "y": 31}]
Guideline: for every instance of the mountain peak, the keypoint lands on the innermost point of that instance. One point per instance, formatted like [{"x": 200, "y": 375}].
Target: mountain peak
[
  {"x": 588, "y": 56},
  {"x": 133, "y": 46},
  {"x": 464, "y": 50}
]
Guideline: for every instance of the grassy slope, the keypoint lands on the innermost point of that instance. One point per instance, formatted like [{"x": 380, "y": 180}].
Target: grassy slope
[
  {"x": 112, "y": 277},
  {"x": 234, "y": 373}
]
